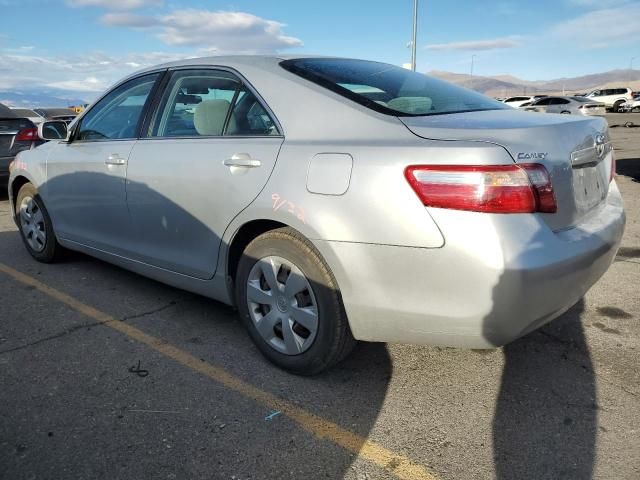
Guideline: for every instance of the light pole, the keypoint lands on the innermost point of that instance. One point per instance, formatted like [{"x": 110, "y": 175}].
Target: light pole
[
  {"x": 415, "y": 35},
  {"x": 472, "y": 59}
]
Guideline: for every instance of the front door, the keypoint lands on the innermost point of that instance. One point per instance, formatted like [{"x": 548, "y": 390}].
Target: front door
[
  {"x": 85, "y": 189},
  {"x": 209, "y": 151}
]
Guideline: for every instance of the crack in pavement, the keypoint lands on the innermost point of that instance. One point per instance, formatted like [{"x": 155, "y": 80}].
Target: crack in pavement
[
  {"x": 150, "y": 312},
  {"x": 75, "y": 328}
]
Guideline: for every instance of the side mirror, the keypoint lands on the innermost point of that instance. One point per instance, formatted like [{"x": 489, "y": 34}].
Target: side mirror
[{"x": 53, "y": 130}]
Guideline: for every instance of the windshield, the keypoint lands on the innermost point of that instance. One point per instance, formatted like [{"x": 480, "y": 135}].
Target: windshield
[{"x": 389, "y": 89}]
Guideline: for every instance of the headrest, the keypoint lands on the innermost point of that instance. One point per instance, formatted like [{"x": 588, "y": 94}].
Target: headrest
[{"x": 209, "y": 117}]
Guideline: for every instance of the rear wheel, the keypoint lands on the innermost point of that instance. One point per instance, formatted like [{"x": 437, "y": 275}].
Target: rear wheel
[
  {"x": 616, "y": 106},
  {"x": 35, "y": 225},
  {"x": 290, "y": 303}
]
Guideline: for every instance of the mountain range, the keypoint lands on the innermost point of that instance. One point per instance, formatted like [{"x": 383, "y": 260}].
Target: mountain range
[
  {"x": 42, "y": 98},
  {"x": 508, "y": 85},
  {"x": 496, "y": 86}
]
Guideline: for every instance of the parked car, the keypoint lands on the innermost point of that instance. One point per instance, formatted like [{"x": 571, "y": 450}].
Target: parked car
[
  {"x": 567, "y": 105},
  {"x": 16, "y": 134},
  {"x": 516, "y": 102},
  {"x": 331, "y": 200},
  {"x": 612, "y": 97},
  {"x": 28, "y": 113},
  {"x": 631, "y": 105},
  {"x": 64, "y": 114}
]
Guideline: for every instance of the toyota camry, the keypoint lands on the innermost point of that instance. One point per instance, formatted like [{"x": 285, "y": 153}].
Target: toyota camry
[{"x": 330, "y": 200}]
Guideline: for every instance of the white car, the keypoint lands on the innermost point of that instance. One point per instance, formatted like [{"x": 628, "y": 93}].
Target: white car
[
  {"x": 632, "y": 105},
  {"x": 612, "y": 97},
  {"x": 516, "y": 102},
  {"x": 566, "y": 105}
]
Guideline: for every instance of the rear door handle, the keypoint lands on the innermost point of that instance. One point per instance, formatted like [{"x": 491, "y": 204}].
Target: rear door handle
[
  {"x": 115, "y": 159},
  {"x": 242, "y": 160}
]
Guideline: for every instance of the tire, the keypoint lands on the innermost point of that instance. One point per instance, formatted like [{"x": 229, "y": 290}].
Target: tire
[
  {"x": 616, "y": 106},
  {"x": 565, "y": 112},
  {"x": 305, "y": 286},
  {"x": 35, "y": 225}
]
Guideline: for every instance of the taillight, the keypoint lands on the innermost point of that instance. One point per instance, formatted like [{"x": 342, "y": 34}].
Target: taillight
[
  {"x": 523, "y": 188},
  {"x": 27, "y": 135},
  {"x": 612, "y": 173}
]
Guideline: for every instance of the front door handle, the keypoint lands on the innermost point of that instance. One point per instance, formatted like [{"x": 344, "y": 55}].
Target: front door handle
[
  {"x": 115, "y": 159},
  {"x": 242, "y": 160}
]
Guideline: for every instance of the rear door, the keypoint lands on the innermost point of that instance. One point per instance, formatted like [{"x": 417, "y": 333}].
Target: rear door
[
  {"x": 210, "y": 149},
  {"x": 85, "y": 188}
]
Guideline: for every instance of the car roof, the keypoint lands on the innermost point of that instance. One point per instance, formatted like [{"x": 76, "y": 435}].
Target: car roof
[{"x": 228, "y": 61}]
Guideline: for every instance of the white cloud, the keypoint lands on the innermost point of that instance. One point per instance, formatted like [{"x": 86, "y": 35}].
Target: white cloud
[
  {"x": 475, "y": 45},
  {"x": 601, "y": 28},
  {"x": 114, "y": 4},
  {"x": 224, "y": 32},
  {"x": 89, "y": 84},
  {"x": 92, "y": 72},
  {"x": 599, "y": 4}
]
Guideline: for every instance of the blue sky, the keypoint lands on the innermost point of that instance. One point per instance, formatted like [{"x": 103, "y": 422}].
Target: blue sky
[{"x": 85, "y": 45}]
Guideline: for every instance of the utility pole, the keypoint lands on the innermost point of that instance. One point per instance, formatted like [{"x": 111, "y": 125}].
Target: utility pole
[
  {"x": 415, "y": 35},
  {"x": 472, "y": 58}
]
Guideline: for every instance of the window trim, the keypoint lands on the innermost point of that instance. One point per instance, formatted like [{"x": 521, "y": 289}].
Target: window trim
[
  {"x": 145, "y": 109},
  {"x": 145, "y": 133}
]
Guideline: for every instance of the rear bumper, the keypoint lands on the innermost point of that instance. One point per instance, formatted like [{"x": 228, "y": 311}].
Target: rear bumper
[
  {"x": 497, "y": 278},
  {"x": 4, "y": 165},
  {"x": 4, "y": 169}
]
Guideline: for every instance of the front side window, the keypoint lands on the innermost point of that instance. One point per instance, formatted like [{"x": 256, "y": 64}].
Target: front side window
[
  {"x": 210, "y": 103},
  {"x": 389, "y": 89},
  {"x": 117, "y": 115}
]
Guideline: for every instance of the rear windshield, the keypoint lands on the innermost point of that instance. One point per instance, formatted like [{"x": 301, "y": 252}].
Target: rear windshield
[
  {"x": 389, "y": 89},
  {"x": 23, "y": 112}
]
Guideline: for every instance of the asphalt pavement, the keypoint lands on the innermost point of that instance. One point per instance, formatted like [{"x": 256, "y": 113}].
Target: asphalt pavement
[{"x": 107, "y": 375}]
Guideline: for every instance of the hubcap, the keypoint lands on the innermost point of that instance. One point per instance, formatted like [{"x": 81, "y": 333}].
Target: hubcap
[
  {"x": 32, "y": 224},
  {"x": 282, "y": 305}
]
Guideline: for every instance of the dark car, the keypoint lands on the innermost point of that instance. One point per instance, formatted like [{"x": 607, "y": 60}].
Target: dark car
[{"x": 16, "y": 134}]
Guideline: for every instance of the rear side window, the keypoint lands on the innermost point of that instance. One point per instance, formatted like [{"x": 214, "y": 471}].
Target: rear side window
[
  {"x": 210, "y": 103},
  {"x": 389, "y": 89}
]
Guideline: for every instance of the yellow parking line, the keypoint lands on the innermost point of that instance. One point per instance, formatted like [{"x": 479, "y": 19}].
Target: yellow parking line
[{"x": 399, "y": 465}]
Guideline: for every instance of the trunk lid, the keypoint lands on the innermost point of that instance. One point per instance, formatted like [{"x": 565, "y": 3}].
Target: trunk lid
[
  {"x": 568, "y": 146},
  {"x": 9, "y": 128}
]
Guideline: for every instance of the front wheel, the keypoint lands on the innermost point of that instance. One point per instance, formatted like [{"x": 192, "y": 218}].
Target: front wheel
[
  {"x": 290, "y": 303},
  {"x": 35, "y": 225}
]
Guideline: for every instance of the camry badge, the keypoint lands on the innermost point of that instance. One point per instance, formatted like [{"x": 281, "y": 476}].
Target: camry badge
[{"x": 532, "y": 155}]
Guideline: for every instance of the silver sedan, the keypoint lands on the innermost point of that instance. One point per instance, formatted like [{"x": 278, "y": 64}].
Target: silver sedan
[
  {"x": 566, "y": 105},
  {"x": 330, "y": 200}
]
